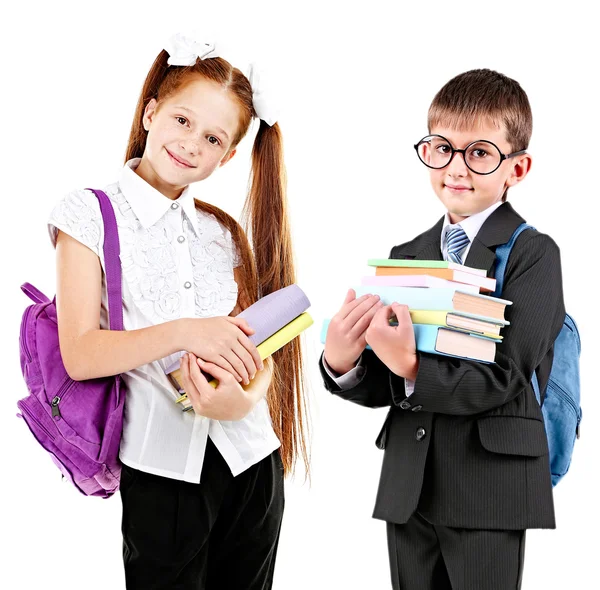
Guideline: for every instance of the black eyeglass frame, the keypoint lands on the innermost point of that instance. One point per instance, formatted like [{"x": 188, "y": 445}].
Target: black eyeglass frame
[{"x": 463, "y": 152}]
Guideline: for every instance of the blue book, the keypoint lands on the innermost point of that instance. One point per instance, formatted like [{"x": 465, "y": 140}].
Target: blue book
[
  {"x": 447, "y": 342},
  {"x": 449, "y": 299}
]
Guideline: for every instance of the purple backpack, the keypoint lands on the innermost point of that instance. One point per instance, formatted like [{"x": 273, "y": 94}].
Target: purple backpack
[{"x": 78, "y": 422}]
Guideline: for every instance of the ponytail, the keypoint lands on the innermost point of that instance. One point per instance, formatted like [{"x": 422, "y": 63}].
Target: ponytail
[{"x": 265, "y": 215}]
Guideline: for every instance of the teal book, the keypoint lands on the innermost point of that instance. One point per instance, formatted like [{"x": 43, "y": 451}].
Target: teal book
[
  {"x": 447, "y": 342},
  {"x": 450, "y": 299},
  {"x": 444, "y": 341}
]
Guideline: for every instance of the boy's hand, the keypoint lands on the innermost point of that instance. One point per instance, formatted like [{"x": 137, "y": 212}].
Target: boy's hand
[
  {"x": 346, "y": 333},
  {"x": 394, "y": 345}
]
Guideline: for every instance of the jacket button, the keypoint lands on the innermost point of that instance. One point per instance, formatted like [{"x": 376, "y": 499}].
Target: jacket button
[
  {"x": 420, "y": 435},
  {"x": 417, "y": 408},
  {"x": 404, "y": 405}
]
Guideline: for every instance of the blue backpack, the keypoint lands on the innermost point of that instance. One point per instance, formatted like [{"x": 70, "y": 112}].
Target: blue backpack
[{"x": 561, "y": 403}]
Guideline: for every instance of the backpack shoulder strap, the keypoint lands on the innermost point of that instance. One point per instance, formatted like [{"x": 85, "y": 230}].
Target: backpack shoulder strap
[
  {"x": 502, "y": 254},
  {"x": 112, "y": 249}
]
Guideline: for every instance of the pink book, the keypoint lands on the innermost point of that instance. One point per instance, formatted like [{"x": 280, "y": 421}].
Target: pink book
[{"x": 417, "y": 281}]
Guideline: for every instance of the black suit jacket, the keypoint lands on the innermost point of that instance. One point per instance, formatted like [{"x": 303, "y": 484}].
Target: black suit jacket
[{"x": 468, "y": 448}]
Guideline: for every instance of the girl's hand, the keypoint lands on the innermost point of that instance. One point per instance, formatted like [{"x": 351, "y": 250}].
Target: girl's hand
[
  {"x": 258, "y": 387},
  {"x": 394, "y": 345},
  {"x": 346, "y": 332},
  {"x": 224, "y": 342},
  {"x": 228, "y": 401}
]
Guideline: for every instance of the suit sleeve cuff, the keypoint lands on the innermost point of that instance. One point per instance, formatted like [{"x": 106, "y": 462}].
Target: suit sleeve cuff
[
  {"x": 402, "y": 389},
  {"x": 349, "y": 379}
]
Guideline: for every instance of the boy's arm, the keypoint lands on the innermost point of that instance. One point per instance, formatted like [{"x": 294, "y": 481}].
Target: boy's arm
[
  {"x": 368, "y": 383},
  {"x": 456, "y": 386}
]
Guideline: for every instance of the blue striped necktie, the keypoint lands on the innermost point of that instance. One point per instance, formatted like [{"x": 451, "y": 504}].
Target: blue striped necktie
[{"x": 456, "y": 241}]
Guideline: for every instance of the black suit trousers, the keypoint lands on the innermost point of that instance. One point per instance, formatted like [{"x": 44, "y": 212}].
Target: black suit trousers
[{"x": 424, "y": 556}]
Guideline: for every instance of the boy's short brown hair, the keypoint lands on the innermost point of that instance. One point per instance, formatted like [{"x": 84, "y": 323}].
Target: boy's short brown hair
[{"x": 480, "y": 95}]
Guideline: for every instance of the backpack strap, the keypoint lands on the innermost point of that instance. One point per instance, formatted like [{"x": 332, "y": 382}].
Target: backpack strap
[
  {"x": 34, "y": 293},
  {"x": 112, "y": 262},
  {"x": 502, "y": 254}
]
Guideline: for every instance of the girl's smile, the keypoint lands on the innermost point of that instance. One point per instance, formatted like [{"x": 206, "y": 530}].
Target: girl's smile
[{"x": 178, "y": 160}]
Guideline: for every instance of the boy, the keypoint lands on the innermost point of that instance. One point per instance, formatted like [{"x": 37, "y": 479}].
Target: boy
[{"x": 465, "y": 470}]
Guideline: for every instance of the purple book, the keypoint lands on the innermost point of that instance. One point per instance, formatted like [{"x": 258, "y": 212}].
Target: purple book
[{"x": 269, "y": 314}]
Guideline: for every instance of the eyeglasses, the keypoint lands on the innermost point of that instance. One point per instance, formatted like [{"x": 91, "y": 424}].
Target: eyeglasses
[{"x": 481, "y": 156}]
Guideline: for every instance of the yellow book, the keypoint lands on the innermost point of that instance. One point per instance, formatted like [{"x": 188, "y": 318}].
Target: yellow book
[
  {"x": 268, "y": 347},
  {"x": 456, "y": 320}
]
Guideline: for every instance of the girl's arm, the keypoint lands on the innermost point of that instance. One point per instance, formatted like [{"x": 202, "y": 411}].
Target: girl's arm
[{"x": 89, "y": 352}]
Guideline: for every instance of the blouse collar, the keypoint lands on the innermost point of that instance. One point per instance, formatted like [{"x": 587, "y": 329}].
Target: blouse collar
[{"x": 149, "y": 204}]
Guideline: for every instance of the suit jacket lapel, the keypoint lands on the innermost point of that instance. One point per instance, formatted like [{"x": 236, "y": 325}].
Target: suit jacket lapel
[
  {"x": 424, "y": 247},
  {"x": 480, "y": 256},
  {"x": 431, "y": 251},
  {"x": 497, "y": 229}
]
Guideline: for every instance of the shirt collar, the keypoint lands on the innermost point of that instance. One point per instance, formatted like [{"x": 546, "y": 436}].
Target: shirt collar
[
  {"x": 149, "y": 204},
  {"x": 471, "y": 225}
]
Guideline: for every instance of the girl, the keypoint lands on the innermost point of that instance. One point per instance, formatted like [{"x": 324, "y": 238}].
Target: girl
[{"x": 202, "y": 492}]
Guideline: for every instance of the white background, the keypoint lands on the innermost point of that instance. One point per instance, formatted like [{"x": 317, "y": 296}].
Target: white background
[{"x": 355, "y": 83}]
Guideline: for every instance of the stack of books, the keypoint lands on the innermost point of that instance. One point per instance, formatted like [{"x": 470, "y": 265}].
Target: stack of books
[
  {"x": 448, "y": 305},
  {"x": 276, "y": 320}
]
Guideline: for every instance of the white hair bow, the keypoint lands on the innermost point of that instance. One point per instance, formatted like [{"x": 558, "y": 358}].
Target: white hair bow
[{"x": 184, "y": 50}]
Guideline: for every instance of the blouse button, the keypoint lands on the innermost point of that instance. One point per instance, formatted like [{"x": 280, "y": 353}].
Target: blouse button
[
  {"x": 174, "y": 205},
  {"x": 181, "y": 239},
  {"x": 187, "y": 284}
]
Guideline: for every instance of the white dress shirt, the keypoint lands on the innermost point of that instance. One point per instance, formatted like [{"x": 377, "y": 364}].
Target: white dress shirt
[
  {"x": 471, "y": 226},
  {"x": 177, "y": 262}
]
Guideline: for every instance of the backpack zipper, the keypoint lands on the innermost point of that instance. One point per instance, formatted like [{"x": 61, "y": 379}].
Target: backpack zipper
[
  {"x": 24, "y": 332},
  {"x": 565, "y": 396},
  {"x": 62, "y": 392},
  {"x": 54, "y": 404}
]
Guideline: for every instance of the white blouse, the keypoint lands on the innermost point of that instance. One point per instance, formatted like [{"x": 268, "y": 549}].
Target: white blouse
[{"x": 176, "y": 262}]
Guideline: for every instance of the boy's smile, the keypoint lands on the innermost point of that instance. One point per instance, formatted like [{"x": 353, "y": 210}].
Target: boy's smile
[{"x": 465, "y": 193}]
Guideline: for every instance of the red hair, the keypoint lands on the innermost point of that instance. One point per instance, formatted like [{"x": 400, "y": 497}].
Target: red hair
[{"x": 266, "y": 266}]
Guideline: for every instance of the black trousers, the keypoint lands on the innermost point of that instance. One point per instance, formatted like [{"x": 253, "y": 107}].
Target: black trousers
[
  {"x": 430, "y": 557},
  {"x": 219, "y": 534}
]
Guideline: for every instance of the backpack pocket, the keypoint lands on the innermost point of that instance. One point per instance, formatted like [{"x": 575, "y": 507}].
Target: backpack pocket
[
  {"x": 35, "y": 423},
  {"x": 24, "y": 345},
  {"x": 562, "y": 418}
]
